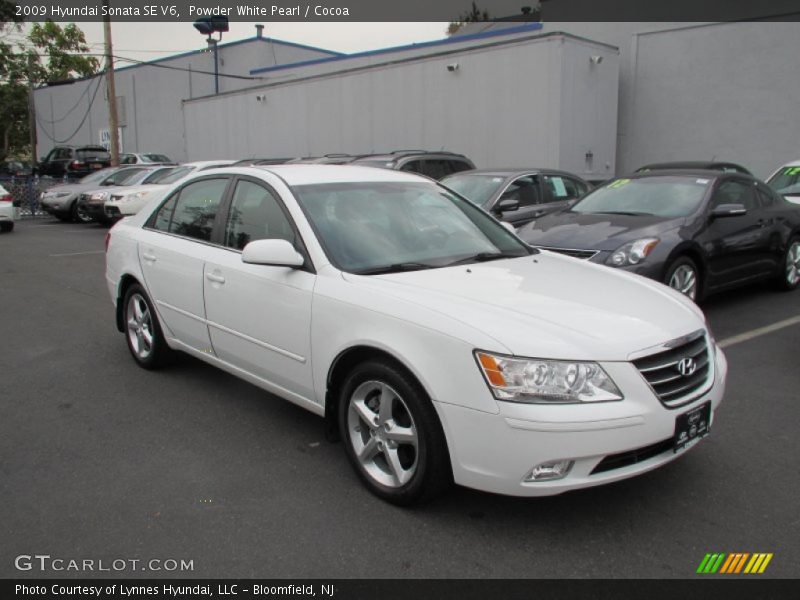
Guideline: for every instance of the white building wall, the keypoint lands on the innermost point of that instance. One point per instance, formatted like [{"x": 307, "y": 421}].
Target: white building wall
[{"x": 502, "y": 107}]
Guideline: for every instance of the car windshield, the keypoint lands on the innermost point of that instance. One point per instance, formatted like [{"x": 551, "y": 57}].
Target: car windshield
[
  {"x": 374, "y": 227},
  {"x": 157, "y": 174},
  {"x": 92, "y": 154},
  {"x": 156, "y": 158},
  {"x": 173, "y": 175},
  {"x": 96, "y": 176},
  {"x": 786, "y": 181},
  {"x": 475, "y": 188},
  {"x": 663, "y": 196},
  {"x": 136, "y": 177}
]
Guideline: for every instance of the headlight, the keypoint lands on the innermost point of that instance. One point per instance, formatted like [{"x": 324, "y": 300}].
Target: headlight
[
  {"x": 537, "y": 381},
  {"x": 632, "y": 253},
  {"x": 99, "y": 196},
  {"x": 132, "y": 197}
]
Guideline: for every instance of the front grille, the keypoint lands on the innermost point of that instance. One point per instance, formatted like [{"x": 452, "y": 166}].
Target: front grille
[
  {"x": 573, "y": 252},
  {"x": 662, "y": 371},
  {"x": 631, "y": 457}
]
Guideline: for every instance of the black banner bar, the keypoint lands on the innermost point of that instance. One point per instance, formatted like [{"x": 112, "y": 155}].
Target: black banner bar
[{"x": 405, "y": 10}]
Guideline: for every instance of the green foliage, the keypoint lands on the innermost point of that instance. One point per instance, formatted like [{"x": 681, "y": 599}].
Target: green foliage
[
  {"x": 49, "y": 53},
  {"x": 473, "y": 15}
]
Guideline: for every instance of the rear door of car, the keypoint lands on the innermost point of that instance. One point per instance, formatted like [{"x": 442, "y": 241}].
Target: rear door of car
[
  {"x": 259, "y": 316},
  {"x": 176, "y": 243},
  {"x": 560, "y": 189}
]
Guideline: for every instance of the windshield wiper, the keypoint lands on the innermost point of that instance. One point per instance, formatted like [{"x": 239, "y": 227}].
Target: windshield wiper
[
  {"x": 484, "y": 257},
  {"x": 395, "y": 268}
]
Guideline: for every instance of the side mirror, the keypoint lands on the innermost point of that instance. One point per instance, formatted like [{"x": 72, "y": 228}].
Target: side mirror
[
  {"x": 728, "y": 210},
  {"x": 506, "y": 205},
  {"x": 276, "y": 253}
]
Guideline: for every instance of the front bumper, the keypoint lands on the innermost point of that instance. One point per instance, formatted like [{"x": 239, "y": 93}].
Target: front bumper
[{"x": 495, "y": 453}]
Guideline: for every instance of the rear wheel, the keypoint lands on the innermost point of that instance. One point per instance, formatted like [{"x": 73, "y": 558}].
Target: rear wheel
[
  {"x": 7, "y": 226},
  {"x": 790, "y": 273},
  {"x": 142, "y": 330},
  {"x": 684, "y": 277},
  {"x": 392, "y": 435}
]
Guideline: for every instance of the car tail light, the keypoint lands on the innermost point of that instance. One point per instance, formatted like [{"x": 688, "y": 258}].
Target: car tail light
[
  {"x": 76, "y": 164},
  {"x": 6, "y": 198}
]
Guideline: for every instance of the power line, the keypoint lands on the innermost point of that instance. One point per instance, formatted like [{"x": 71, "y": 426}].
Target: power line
[
  {"x": 69, "y": 112},
  {"x": 80, "y": 125}
]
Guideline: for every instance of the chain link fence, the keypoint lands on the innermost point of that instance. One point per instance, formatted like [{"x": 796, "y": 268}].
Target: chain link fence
[{"x": 26, "y": 192}]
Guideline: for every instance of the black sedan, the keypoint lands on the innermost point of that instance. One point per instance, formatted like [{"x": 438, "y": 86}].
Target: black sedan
[
  {"x": 697, "y": 231},
  {"x": 517, "y": 196}
]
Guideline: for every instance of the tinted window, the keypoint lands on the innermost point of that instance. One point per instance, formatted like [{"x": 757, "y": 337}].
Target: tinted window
[
  {"x": 63, "y": 153},
  {"x": 735, "y": 192},
  {"x": 764, "y": 196},
  {"x": 415, "y": 166},
  {"x": 157, "y": 174},
  {"x": 174, "y": 175},
  {"x": 255, "y": 214},
  {"x": 164, "y": 214},
  {"x": 457, "y": 166},
  {"x": 91, "y": 154},
  {"x": 120, "y": 176},
  {"x": 127, "y": 159},
  {"x": 525, "y": 190},
  {"x": 196, "y": 209},
  {"x": 156, "y": 158}
]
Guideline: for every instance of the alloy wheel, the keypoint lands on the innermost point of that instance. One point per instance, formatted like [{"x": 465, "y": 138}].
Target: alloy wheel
[
  {"x": 793, "y": 263},
  {"x": 382, "y": 433},
  {"x": 684, "y": 279},
  {"x": 83, "y": 216},
  {"x": 140, "y": 326}
]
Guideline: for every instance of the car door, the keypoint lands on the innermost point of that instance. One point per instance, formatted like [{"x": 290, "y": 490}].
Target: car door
[
  {"x": 259, "y": 316},
  {"x": 559, "y": 190},
  {"x": 173, "y": 249},
  {"x": 528, "y": 192},
  {"x": 736, "y": 246}
]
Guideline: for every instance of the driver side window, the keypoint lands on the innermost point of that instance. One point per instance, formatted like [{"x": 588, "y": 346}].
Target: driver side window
[
  {"x": 735, "y": 192},
  {"x": 525, "y": 190}
]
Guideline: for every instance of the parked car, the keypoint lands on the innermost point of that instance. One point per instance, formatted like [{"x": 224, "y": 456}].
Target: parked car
[
  {"x": 74, "y": 163},
  {"x": 708, "y": 165},
  {"x": 15, "y": 168},
  {"x": 786, "y": 181},
  {"x": 91, "y": 203},
  {"x": 131, "y": 199},
  {"x": 517, "y": 196},
  {"x": 135, "y": 158},
  {"x": 697, "y": 231},
  {"x": 435, "y": 165},
  {"x": 8, "y": 210},
  {"x": 467, "y": 355},
  {"x": 61, "y": 201}
]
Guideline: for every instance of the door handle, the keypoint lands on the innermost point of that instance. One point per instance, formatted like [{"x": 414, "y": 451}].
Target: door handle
[
  {"x": 215, "y": 278},
  {"x": 149, "y": 256}
]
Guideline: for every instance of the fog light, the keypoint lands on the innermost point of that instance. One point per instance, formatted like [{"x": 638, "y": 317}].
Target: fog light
[{"x": 550, "y": 471}]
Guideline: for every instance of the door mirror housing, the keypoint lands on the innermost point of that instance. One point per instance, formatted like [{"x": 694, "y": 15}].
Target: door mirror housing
[
  {"x": 506, "y": 205},
  {"x": 728, "y": 210},
  {"x": 275, "y": 253}
]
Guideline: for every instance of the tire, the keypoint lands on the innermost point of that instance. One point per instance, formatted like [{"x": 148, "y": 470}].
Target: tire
[
  {"x": 399, "y": 453},
  {"x": 683, "y": 276},
  {"x": 143, "y": 333},
  {"x": 79, "y": 214},
  {"x": 789, "y": 276},
  {"x": 7, "y": 226}
]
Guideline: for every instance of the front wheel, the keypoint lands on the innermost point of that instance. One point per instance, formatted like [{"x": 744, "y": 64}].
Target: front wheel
[
  {"x": 392, "y": 435},
  {"x": 142, "y": 330},
  {"x": 683, "y": 276},
  {"x": 79, "y": 214},
  {"x": 790, "y": 273},
  {"x": 7, "y": 226}
]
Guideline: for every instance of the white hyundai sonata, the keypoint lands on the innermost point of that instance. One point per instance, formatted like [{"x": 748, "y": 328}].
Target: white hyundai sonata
[{"x": 437, "y": 345}]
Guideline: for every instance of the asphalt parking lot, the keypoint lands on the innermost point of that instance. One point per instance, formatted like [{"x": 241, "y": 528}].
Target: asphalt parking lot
[{"x": 101, "y": 459}]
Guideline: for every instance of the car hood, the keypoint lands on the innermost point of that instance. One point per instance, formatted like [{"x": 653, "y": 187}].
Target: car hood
[
  {"x": 548, "y": 305},
  {"x": 133, "y": 189},
  {"x": 566, "y": 229},
  {"x": 69, "y": 188}
]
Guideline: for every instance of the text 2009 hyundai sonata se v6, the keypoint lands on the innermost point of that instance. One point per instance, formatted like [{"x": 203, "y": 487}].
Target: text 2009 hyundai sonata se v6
[{"x": 438, "y": 345}]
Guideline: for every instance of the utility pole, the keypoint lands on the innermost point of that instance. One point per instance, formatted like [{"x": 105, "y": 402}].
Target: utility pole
[
  {"x": 113, "y": 119},
  {"x": 32, "y": 112}
]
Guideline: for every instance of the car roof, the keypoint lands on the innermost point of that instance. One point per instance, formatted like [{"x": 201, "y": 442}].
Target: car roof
[
  {"x": 204, "y": 163},
  {"x": 714, "y": 165},
  {"x": 305, "y": 174},
  {"x": 511, "y": 172},
  {"x": 704, "y": 173},
  {"x": 397, "y": 154}
]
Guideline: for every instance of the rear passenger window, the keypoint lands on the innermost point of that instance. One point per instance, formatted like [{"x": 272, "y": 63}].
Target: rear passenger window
[
  {"x": 196, "y": 208},
  {"x": 459, "y": 165},
  {"x": 255, "y": 214},
  {"x": 765, "y": 197},
  {"x": 164, "y": 214}
]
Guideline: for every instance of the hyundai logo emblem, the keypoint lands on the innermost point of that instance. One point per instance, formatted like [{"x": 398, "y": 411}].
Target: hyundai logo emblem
[{"x": 687, "y": 366}]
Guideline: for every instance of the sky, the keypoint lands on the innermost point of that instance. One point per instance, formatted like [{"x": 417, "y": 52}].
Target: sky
[{"x": 134, "y": 40}]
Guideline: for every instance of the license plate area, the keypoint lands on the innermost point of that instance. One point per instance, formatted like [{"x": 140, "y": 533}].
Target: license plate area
[{"x": 691, "y": 426}]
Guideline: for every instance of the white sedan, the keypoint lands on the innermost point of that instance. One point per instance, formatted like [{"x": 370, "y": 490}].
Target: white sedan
[
  {"x": 8, "y": 211},
  {"x": 435, "y": 343}
]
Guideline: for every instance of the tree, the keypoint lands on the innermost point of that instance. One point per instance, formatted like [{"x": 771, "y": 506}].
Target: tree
[
  {"x": 49, "y": 53},
  {"x": 474, "y": 15}
]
